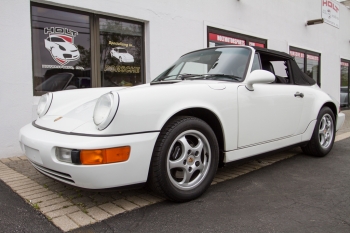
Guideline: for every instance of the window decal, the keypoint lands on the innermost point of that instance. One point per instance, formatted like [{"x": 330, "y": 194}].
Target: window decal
[
  {"x": 61, "y": 46},
  {"x": 225, "y": 39}
]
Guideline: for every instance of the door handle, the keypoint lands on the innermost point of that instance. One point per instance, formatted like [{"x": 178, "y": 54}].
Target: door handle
[{"x": 299, "y": 94}]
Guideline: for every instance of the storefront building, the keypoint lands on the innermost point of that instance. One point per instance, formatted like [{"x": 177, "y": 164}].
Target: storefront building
[{"x": 60, "y": 45}]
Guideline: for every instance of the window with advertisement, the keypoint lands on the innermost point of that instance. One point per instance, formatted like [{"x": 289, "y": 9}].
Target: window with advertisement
[
  {"x": 308, "y": 62},
  {"x": 217, "y": 37},
  {"x": 64, "y": 43},
  {"x": 121, "y": 52},
  {"x": 344, "y": 83}
]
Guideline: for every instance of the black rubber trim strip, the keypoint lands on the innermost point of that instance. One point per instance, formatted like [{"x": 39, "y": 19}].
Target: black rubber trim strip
[
  {"x": 54, "y": 176},
  {"x": 91, "y": 135},
  {"x": 61, "y": 173}
]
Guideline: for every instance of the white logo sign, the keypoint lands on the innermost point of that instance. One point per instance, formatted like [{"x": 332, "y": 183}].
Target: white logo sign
[
  {"x": 330, "y": 12},
  {"x": 60, "y": 44}
]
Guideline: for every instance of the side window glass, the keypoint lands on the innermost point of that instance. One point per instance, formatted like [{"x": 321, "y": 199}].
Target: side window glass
[
  {"x": 281, "y": 71},
  {"x": 280, "y": 68},
  {"x": 256, "y": 63}
]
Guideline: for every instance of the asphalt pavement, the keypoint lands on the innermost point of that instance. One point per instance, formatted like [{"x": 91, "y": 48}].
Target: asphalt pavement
[
  {"x": 18, "y": 216},
  {"x": 300, "y": 194}
]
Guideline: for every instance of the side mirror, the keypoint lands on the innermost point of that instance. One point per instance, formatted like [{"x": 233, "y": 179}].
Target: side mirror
[{"x": 258, "y": 76}]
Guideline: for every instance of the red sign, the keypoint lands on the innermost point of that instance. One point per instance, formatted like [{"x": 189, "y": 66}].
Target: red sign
[
  {"x": 225, "y": 39},
  {"x": 344, "y": 64},
  {"x": 311, "y": 57},
  {"x": 296, "y": 54},
  {"x": 256, "y": 44},
  {"x": 330, "y": 4}
]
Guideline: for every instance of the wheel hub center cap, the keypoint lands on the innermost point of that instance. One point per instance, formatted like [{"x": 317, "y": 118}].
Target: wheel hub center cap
[{"x": 190, "y": 160}]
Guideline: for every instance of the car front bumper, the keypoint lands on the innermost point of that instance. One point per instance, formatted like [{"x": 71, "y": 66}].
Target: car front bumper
[
  {"x": 128, "y": 60},
  {"x": 40, "y": 145}
]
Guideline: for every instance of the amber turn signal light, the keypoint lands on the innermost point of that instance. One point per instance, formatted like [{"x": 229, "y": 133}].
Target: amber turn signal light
[{"x": 103, "y": 156}]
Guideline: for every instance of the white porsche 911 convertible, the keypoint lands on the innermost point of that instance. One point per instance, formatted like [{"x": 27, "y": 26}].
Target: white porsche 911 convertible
[
  {"x": 211, "y": 107},
  {"x": 61, "y": 49},
  {"x": 122, "y": 55}
]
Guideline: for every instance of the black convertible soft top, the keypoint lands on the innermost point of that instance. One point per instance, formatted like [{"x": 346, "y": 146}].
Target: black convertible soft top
[
  {"x": 273, "y": 52},
  {"x": 299, "y": 77}
]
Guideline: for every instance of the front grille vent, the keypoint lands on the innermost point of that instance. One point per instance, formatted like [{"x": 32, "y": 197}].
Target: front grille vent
[{"x": 53, "y": 174}]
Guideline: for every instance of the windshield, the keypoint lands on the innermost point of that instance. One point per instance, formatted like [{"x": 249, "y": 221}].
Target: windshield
[
  {"x": 55, "y": 83},
  {"x": 229, "y": 64},
  {"x": 122, "y": 51},
  {"x": 56, "y": 39}
]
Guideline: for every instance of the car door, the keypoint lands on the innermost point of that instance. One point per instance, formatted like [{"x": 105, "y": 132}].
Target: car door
[{"x": 269, "y": 113}]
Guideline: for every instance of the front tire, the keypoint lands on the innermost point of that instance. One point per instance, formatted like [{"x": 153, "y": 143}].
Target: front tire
[
  {"x": 184, "y": 160},
  {"x": 322, "y": 139}
]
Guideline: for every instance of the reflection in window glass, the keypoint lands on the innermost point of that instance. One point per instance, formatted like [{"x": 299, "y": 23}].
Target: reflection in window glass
[
  {"x": 212, "y": 63},
  {"x": 219, "y": 37},
  {"x": 56, "y": 82},
  {"x": 308, "y": 63},
  {"x": 344, "y": 84},
  {"x": 61, "y": 49},
  {"x": 256, "y": 63},
  {"x": 121, "y": 46},
  {"x": 312, "y": 66},
  {"x": 299, "y": 59}
]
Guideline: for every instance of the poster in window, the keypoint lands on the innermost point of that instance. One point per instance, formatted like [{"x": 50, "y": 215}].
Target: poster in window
[
  {"x": 121, "y": 46},
  {"x": 61, "y": 50}
]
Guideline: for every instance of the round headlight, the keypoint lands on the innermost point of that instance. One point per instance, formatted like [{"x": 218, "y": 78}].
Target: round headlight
[
  {"x": 44, "y": 104},
  {"x": 105, "y": 110}
]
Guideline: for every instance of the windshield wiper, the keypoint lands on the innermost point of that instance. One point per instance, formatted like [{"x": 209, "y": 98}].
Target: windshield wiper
[
  {"x": 205, "y": 76},
  {"x": 199, "y": 76},
  {"x": 181, "y": 76}
]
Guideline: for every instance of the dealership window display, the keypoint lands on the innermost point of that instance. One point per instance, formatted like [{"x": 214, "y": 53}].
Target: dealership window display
[
  {"x": 61, "y": 50},
  {"x": 65, "y": 44},
  {"x": 308, "y": 62},
  {"x": 344, "y": 83},
  {"x": 121, "y": 52}
]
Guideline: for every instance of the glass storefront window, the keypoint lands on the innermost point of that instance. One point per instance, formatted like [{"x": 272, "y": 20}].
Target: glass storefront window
[
  {"x": 344, "y": 83},
  {"x": 308, "y": 62},
  {"x": 61, "y": 50},
  {"x": 312, "y": 66},
  {"x": 218, "y": 37},
  {"x": 121, "y": 45},
  {"x": 299, "y": 58},
  {"x": 63, "y": 44},
  {"x": 251, "y": 43}
]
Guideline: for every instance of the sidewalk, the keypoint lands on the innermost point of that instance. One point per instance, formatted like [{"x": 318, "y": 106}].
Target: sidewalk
[{"x": 70, "y": 208}]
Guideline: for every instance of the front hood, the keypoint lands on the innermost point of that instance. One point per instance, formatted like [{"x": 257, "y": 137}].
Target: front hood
[
  {"x": 67, "y": 46},
  {"x": 126, "y": 55},
  {"x": 69, "y": 121},
  {"x": 72, "y": 108}
]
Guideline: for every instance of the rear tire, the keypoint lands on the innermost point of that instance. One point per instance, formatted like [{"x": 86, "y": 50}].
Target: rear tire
[
  {"x": 184, "y": 160},
  {"x": 322, "y": 139}
]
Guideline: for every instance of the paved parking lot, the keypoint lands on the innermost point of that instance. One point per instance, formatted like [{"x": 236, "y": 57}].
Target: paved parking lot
[
  {"x": 70, "y": 208},
  {"x": 299, "y": 194}
]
